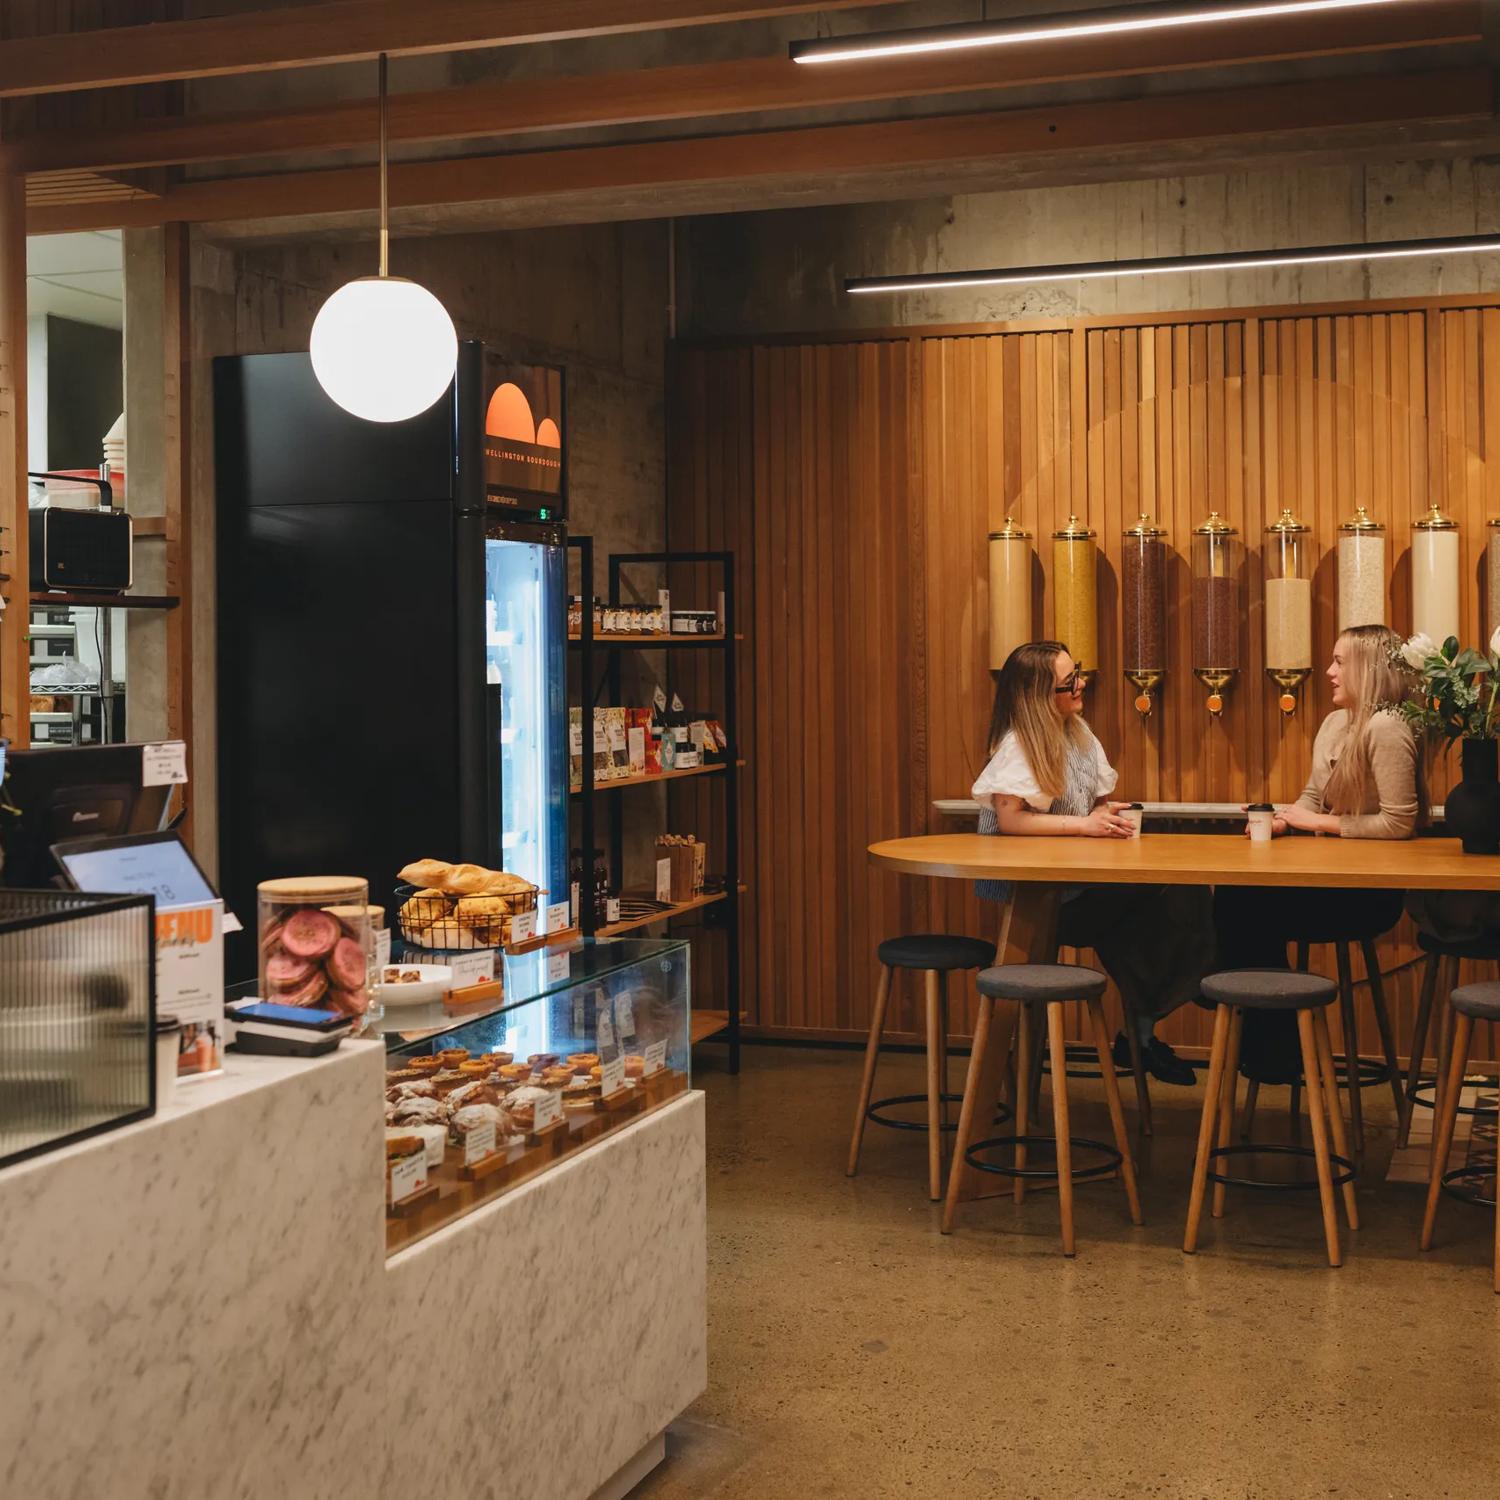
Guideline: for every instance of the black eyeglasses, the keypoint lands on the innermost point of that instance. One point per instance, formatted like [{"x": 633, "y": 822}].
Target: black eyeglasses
[{"x": 1075, "y": 679}]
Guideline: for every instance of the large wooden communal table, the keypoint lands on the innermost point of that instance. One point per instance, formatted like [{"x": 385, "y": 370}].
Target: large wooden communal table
[{"x": 1040, "y": 867}]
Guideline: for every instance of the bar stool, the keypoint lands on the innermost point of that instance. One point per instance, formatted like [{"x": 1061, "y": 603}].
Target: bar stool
[
  {"x": 1439, "y": 977},
  {"x": 1051, "y": 986},
  {"x": 1471, "y": 1003},
  {"x": 1309, "y": 995},
  {"x": 934, "y": 955}
]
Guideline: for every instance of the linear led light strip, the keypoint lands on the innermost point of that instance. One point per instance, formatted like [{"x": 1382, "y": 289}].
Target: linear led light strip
[
  {"x": 1474, "y": 244},
  {"x": 1111, "y": 21}
]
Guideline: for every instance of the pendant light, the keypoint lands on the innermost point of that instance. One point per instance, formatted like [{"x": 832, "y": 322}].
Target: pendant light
[{"x": 383, "y": 347}]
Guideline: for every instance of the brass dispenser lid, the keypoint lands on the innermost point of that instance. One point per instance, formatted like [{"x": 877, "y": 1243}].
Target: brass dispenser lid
[
  {"x": 1074, "y": 531},
  {"x": 1435, "y": 520},
  {"x": 1215, "y": 525},
  {"x": 1010, "y": 532},
  {"x": 1147, "y": 527},
  {"x": 1286, "y": 523},
  {"x": 1361, "y": 520}
]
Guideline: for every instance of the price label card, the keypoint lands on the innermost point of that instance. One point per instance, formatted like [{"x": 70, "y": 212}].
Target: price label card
[
  {"x": 613, "y": 1077},
  {"x": 625, "y": 1014},
  {"x": 656, "y": 1058},
  {"x": 559, "y": 916},
  {"x": 164, "y": 764},
  {"x": 523, "y": 926},
  {"x": 575, "y": 739},
  {"x": 611, "y": 909},
  {"x": 548, "y": 1112},
  {"x": 559, "y": 965},
  {"x": 689, "y": 760},
  {"x": 382, "y": 946},
  {"x": 479, "y": 1143},
  {"x": 664, "y": 880},
  {"x": 472, "y": 968},
  {"x": 606, "y": 1032},
  {"x": 408, "y": 1176}
]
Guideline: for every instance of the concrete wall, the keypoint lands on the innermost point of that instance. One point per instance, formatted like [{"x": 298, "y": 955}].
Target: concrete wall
[
  {"x": 760, "y": 273},
  {"x": 591, "y": 298}
]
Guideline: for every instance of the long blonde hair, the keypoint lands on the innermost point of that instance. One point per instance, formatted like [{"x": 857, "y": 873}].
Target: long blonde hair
[
  {"x": 1372, "y": 684},
  {"x": 1026, "y": 705}
]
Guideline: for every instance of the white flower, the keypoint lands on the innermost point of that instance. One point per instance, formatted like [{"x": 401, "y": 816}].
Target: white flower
[{"x": 1416, "y": 651}]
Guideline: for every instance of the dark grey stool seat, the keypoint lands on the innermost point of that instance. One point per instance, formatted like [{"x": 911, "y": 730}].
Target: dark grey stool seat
[
  {"x": 936, "y": 951},
  {"x": 1270, "y": 989},
  {"x": 935, "y": 955},
  {"x": 1038, "y": 987},
  {"x": 1439, "y": 981},
  {"x": 1038, "y": 983},
  {"x": 1308, "y": 996},
  {"x": 1481, "y": 950},
  {"x": 1480, "y": 1002}
]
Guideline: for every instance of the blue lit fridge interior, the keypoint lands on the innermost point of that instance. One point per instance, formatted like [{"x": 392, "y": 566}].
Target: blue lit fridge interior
[{"x": 525, "y": 652}]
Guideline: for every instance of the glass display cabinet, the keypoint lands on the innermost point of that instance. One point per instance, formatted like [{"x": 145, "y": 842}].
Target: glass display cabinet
[{"x": 481, "y": 1097}]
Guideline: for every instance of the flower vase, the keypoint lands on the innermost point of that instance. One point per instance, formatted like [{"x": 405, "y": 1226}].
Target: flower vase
[{"x": 1473, "y": 807}]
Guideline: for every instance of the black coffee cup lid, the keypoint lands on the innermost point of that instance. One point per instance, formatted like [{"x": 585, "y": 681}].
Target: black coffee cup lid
[
  {"x": 168, "y": 1023},
  {"x": 1138, "y": 806},
  {"x": 1261, "y": 807}
]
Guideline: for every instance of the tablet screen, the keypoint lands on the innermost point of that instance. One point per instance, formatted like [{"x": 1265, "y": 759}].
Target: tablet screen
[{"x": 159, "y": 867}]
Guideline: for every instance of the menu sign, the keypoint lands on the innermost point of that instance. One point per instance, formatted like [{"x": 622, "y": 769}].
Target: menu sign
[
  {"x": 525, "y": 463},
  {"x": 547, "y": 1112},
  {"x": 612, "y": 1077}
]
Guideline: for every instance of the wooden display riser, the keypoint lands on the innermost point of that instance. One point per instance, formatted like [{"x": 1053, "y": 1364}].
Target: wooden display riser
[{"x": 454, "y": 1190}]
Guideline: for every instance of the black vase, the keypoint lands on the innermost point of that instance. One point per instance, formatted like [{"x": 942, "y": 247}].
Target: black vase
[{"x": 1473, "y": 807}]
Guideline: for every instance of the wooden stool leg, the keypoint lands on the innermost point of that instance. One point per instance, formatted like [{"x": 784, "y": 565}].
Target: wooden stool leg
[
  {"x": 1025, "y": 1041},
  {"x": 968, "y": 1109},
  {"x": 872, "y": 1054},
  {"x": 934, "y": 1089},
  {"x": 1228, "y": 1094},
  {"x": 1058, "y": 1046},
  {"x": 1350, "y": 1025},
  {"x": 1252, "y": 1097},
  {"x": 1206, "y": 1125},
  {"x": 1138, "y": 1070},
  {"x": 1418, "y": 1046},
  {"x": 1320, "y": 1136},
  {"x": 1116, "y": 1108},
  {"x": 1463, "y": 1032},
  {"x": 1333, "y": 1108},
  {"x": 1447, "y": 980},
  {"x": 1383, "y": 1021}
]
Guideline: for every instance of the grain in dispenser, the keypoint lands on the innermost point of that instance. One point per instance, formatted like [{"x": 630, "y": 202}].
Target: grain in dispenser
[
  {"x": 1216, "y": 607},
  {"x": 1143, "y": 602},
  {"x": 1010, "y": 591},
  {"x": 1288, "y": 570},
  {"x": 1434, "y": 576},
  {"x": 1075, "y": 592},
  {"x": 1361, "y": 571}
]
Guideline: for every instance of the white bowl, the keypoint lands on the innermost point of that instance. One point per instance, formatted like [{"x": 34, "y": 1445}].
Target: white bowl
[{"x": 435, "y": 980}]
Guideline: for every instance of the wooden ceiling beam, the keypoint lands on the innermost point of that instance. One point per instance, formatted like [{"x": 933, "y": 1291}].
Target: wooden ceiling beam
[
  {"x": 1322, "y": 105},
  {"x": 334, "y": 31},
  {"x": 530, "y": 105}
]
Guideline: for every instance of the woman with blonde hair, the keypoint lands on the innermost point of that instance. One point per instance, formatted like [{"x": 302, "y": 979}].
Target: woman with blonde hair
[
  {"x": 1366, "y": 782},
  {"x": 1048, "y": 775}
]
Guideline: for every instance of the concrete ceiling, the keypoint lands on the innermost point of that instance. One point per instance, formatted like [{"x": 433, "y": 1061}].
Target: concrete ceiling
[{"x": 78, "y": 276}]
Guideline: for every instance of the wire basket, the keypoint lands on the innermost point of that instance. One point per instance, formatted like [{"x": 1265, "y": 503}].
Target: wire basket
[
  {"x": 77, "y": 1017},
  {"x": 437, "y": 919}
]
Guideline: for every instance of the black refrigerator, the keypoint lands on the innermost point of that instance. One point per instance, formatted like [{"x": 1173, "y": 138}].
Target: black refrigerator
[{"x": 392, "y": 622}]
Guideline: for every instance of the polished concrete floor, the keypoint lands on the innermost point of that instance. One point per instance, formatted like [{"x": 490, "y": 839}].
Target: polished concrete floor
[{"x": 856, "y": 1351}]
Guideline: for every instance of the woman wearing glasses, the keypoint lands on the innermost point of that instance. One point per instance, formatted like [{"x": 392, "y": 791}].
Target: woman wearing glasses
[{"x": 1048, "y": 775}]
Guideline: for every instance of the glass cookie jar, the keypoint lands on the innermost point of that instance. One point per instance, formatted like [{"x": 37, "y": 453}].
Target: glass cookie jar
[{"x": 315, "y": 942}]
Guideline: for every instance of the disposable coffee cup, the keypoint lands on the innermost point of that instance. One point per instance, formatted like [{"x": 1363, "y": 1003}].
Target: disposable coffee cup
[
  {"x": 168, "y": 1045},
  {"x": 1262, "y": 816},
  {"x": 1133, "y": 812}
]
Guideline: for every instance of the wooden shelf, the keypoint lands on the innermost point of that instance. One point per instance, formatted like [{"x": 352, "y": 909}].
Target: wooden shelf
[
  {"x": 606, "y": 641},
  {"x": 617, "y": 929},
  {"x": 618, "y": 784},
  {"x": 109, "y": 601},
  {"x": 703, "y": 1024}
]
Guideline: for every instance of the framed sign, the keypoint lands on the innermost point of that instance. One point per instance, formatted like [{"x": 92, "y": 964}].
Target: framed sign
[{"x": 525, "y": 456}]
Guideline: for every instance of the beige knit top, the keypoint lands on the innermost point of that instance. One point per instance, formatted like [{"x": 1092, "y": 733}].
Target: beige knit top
[{"x": 1395, "y": 800}]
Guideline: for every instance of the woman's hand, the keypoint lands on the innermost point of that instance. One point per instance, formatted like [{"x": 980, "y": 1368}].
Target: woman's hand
[
  {"x": 1105, "y": 822},
  {"x": 1294, "y": 815}
]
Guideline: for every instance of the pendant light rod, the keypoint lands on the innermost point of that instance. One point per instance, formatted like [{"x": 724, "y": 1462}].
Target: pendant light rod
[
  {"x": 385, "y": 203},
  {"x": 1232, "y": 260},
  {"x": 1108, "y": 21}
]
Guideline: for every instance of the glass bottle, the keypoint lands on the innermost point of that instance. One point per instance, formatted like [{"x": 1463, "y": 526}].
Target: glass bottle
[
  {"x": 1010, "y": 591},
  {"x": 1434, "y": 576},
  {"x": 1143, "y": 601},
  {"x": 1075, "y": 592},
  {"x": 1216, "y": 607},
  {"x": 601, "y": 889},
  {"x": 1361, "y": 571},
  {"x": 1288, "y": 573}
]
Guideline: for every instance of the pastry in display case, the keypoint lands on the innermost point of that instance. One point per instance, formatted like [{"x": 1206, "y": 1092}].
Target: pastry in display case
[{"x": 481, "y": 1098}]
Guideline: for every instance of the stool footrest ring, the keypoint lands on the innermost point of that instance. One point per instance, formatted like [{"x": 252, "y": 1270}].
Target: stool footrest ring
[
  {"x": 879, "y": 1104},
  {"x": 1106, "y": 1168},
  {"x": 1421, "y": 1093},
  {"x": 1373, "y": 1071},
  {"x": 1453, "y": 1182},
  {"x": 1343, "y": 1168}
]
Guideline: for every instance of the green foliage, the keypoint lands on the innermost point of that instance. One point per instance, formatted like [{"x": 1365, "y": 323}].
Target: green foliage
[{"x": 1453, "y": 689}]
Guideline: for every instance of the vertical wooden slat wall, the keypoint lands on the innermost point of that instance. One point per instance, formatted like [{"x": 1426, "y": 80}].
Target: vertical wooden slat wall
[{"x": 871, "y": 472}]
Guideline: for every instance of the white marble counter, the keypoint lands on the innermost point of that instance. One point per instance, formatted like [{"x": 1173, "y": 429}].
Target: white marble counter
[{"x": 199, "y": 1305}]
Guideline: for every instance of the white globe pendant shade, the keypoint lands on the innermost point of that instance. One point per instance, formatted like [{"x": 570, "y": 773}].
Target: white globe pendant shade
[{"x": 384, "y": 348}]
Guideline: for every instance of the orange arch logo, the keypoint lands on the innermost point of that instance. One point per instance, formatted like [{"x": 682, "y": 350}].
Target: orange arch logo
[{"x": 510, "y": 416}]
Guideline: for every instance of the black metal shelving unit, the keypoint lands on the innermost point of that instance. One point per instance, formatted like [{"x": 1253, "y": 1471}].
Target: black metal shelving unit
[{"x": 718, "y": 909}]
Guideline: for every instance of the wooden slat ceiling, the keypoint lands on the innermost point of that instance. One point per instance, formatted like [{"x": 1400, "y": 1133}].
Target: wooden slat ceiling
[{"x": 1381, "y": 92}]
